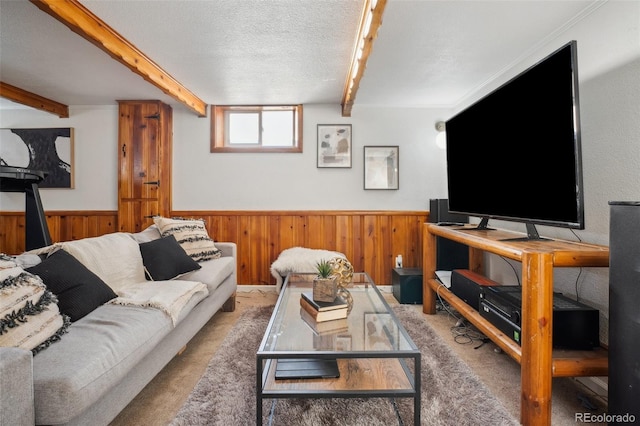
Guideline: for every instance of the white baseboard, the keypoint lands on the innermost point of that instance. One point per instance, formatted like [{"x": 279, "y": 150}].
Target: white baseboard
[{"x": 247, "y": 288}]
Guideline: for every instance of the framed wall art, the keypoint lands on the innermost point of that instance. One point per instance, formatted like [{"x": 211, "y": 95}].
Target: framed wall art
[
  {"x": 381, "y": 167},
  {"x": 334, "y": 145},
  {"x": 49, "y": 150}
]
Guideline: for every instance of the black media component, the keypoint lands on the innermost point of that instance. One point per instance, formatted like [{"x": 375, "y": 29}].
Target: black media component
[
  {"x": 467, "y": 285},
  {"x": 407, "y": 285},
  {"x": 501, "y": 320},
  {"x": 624, "y": 311},
  {"x": 439, "y": 213},
  {"x": 450, "y": 254},
  {"x": 575, "y": 325},
  {"x": 539, "y": 147}
]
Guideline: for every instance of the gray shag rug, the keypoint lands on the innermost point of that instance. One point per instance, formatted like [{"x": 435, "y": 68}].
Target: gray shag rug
[{"x": 451, "y": 393}]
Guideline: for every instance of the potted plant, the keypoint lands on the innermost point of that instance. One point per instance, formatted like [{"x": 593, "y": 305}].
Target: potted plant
[{"x": 325, "y": 286}]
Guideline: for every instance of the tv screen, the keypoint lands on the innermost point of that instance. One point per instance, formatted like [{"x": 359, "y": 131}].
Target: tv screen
[{"x": 515, "y": 154}]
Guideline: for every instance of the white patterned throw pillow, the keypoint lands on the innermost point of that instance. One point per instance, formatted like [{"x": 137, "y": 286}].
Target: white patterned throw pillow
[
  {"x": 192, "y": 236},
  {"x": 29, "y": 315}
]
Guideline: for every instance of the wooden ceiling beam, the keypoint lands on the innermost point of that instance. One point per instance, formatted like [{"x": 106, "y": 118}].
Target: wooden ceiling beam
[
  {"x": 367, "y": 33},
  {"x": 83, "y": 22},
  {"x": 32, "y": 100}
]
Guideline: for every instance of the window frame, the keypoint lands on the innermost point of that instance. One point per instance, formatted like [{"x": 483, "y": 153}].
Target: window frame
[{"x": 219, "y": 134}]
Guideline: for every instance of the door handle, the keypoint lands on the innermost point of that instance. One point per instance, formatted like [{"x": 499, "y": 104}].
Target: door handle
[{"x": 155, "y": 182}]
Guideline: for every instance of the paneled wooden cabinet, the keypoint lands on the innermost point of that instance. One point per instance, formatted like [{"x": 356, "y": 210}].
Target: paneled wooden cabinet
[
  {"x": 145, "y": 131},
  {"x": 539, "y": 363}
]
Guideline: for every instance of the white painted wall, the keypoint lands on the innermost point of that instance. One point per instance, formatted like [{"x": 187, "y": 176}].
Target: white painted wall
[
  {"x": 286, "y": 181},
  {"x": 609, "y": 66},
  {"x": 95, "y": 153},
  {"x": 250, "y": 181}
]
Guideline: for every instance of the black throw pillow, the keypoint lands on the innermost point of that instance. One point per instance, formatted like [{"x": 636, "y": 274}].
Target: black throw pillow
[
  {"x": 79, "y": 290},
  {"x": 165, "y": 259}
]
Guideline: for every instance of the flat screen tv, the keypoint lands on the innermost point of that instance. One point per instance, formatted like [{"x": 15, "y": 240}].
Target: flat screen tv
[{"x": 515, "y": 154}]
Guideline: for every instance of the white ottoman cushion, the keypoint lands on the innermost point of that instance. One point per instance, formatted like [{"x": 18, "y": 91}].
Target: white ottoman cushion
[{"x": 299, "y": 259}]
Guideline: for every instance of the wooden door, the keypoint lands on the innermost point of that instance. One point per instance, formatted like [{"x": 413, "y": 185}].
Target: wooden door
[{"x": 144, "y": 149}]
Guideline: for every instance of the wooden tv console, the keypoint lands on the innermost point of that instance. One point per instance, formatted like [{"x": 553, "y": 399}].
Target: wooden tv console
[{"x": 539, "y": 363}]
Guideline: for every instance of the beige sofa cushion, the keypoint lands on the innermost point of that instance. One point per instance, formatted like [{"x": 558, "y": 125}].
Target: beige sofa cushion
[{"x": 115, "y": 258}]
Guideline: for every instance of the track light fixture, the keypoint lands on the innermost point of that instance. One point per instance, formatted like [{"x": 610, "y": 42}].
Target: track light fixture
[{"x": 367, "y": 32}]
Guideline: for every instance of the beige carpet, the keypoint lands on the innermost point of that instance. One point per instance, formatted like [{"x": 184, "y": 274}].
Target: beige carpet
[{"x": 159, "y": 402}]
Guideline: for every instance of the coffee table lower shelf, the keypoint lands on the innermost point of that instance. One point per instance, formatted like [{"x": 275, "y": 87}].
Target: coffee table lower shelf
[{"x": 359, "y": 378}]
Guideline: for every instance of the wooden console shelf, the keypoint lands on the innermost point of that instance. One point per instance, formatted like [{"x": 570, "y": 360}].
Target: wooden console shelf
[{"x": 539, "y": 363}]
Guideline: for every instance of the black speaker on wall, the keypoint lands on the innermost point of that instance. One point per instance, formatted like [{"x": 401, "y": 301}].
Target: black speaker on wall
[
  {"x": 450, "y": 255},
  {"x": 624, "y": 311}
]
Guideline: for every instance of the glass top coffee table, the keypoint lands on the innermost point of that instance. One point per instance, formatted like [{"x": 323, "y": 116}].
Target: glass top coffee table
[{"x": 371, "y": 339}]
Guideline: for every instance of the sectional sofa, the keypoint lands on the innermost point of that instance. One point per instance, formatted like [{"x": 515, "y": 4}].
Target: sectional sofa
[{"x": 102, "y": 356}]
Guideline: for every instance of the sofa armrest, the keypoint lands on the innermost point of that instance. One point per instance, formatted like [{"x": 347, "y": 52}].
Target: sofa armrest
[
  {"x": 16, "y": 387},
  {"x": 228, "y": 249}
]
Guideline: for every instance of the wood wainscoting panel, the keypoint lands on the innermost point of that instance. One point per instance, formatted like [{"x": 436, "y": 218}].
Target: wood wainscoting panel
[
  {"x": 63, "y": 226},
  {"x": 12, "y": 233},
  {"x": 371, "y": 240}
]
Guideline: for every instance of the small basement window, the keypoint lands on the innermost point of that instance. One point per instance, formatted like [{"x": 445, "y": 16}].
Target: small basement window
[{"x": 256, "y": 128}]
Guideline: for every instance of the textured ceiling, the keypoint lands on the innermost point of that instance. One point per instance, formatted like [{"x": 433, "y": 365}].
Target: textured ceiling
[{"x": 428, "y": 53}]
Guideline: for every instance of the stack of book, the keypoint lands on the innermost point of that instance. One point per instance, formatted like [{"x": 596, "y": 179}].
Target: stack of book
[
  {"x": 325, "y": 327},
  {"x": 324, "y": 311}
]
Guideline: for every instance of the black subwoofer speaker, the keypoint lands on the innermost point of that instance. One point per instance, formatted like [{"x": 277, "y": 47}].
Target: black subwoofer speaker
[
  {"x": 624, "y": 311},
  {"x": 450, "y": 255},
  {"x": 407, "y": 285}
]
